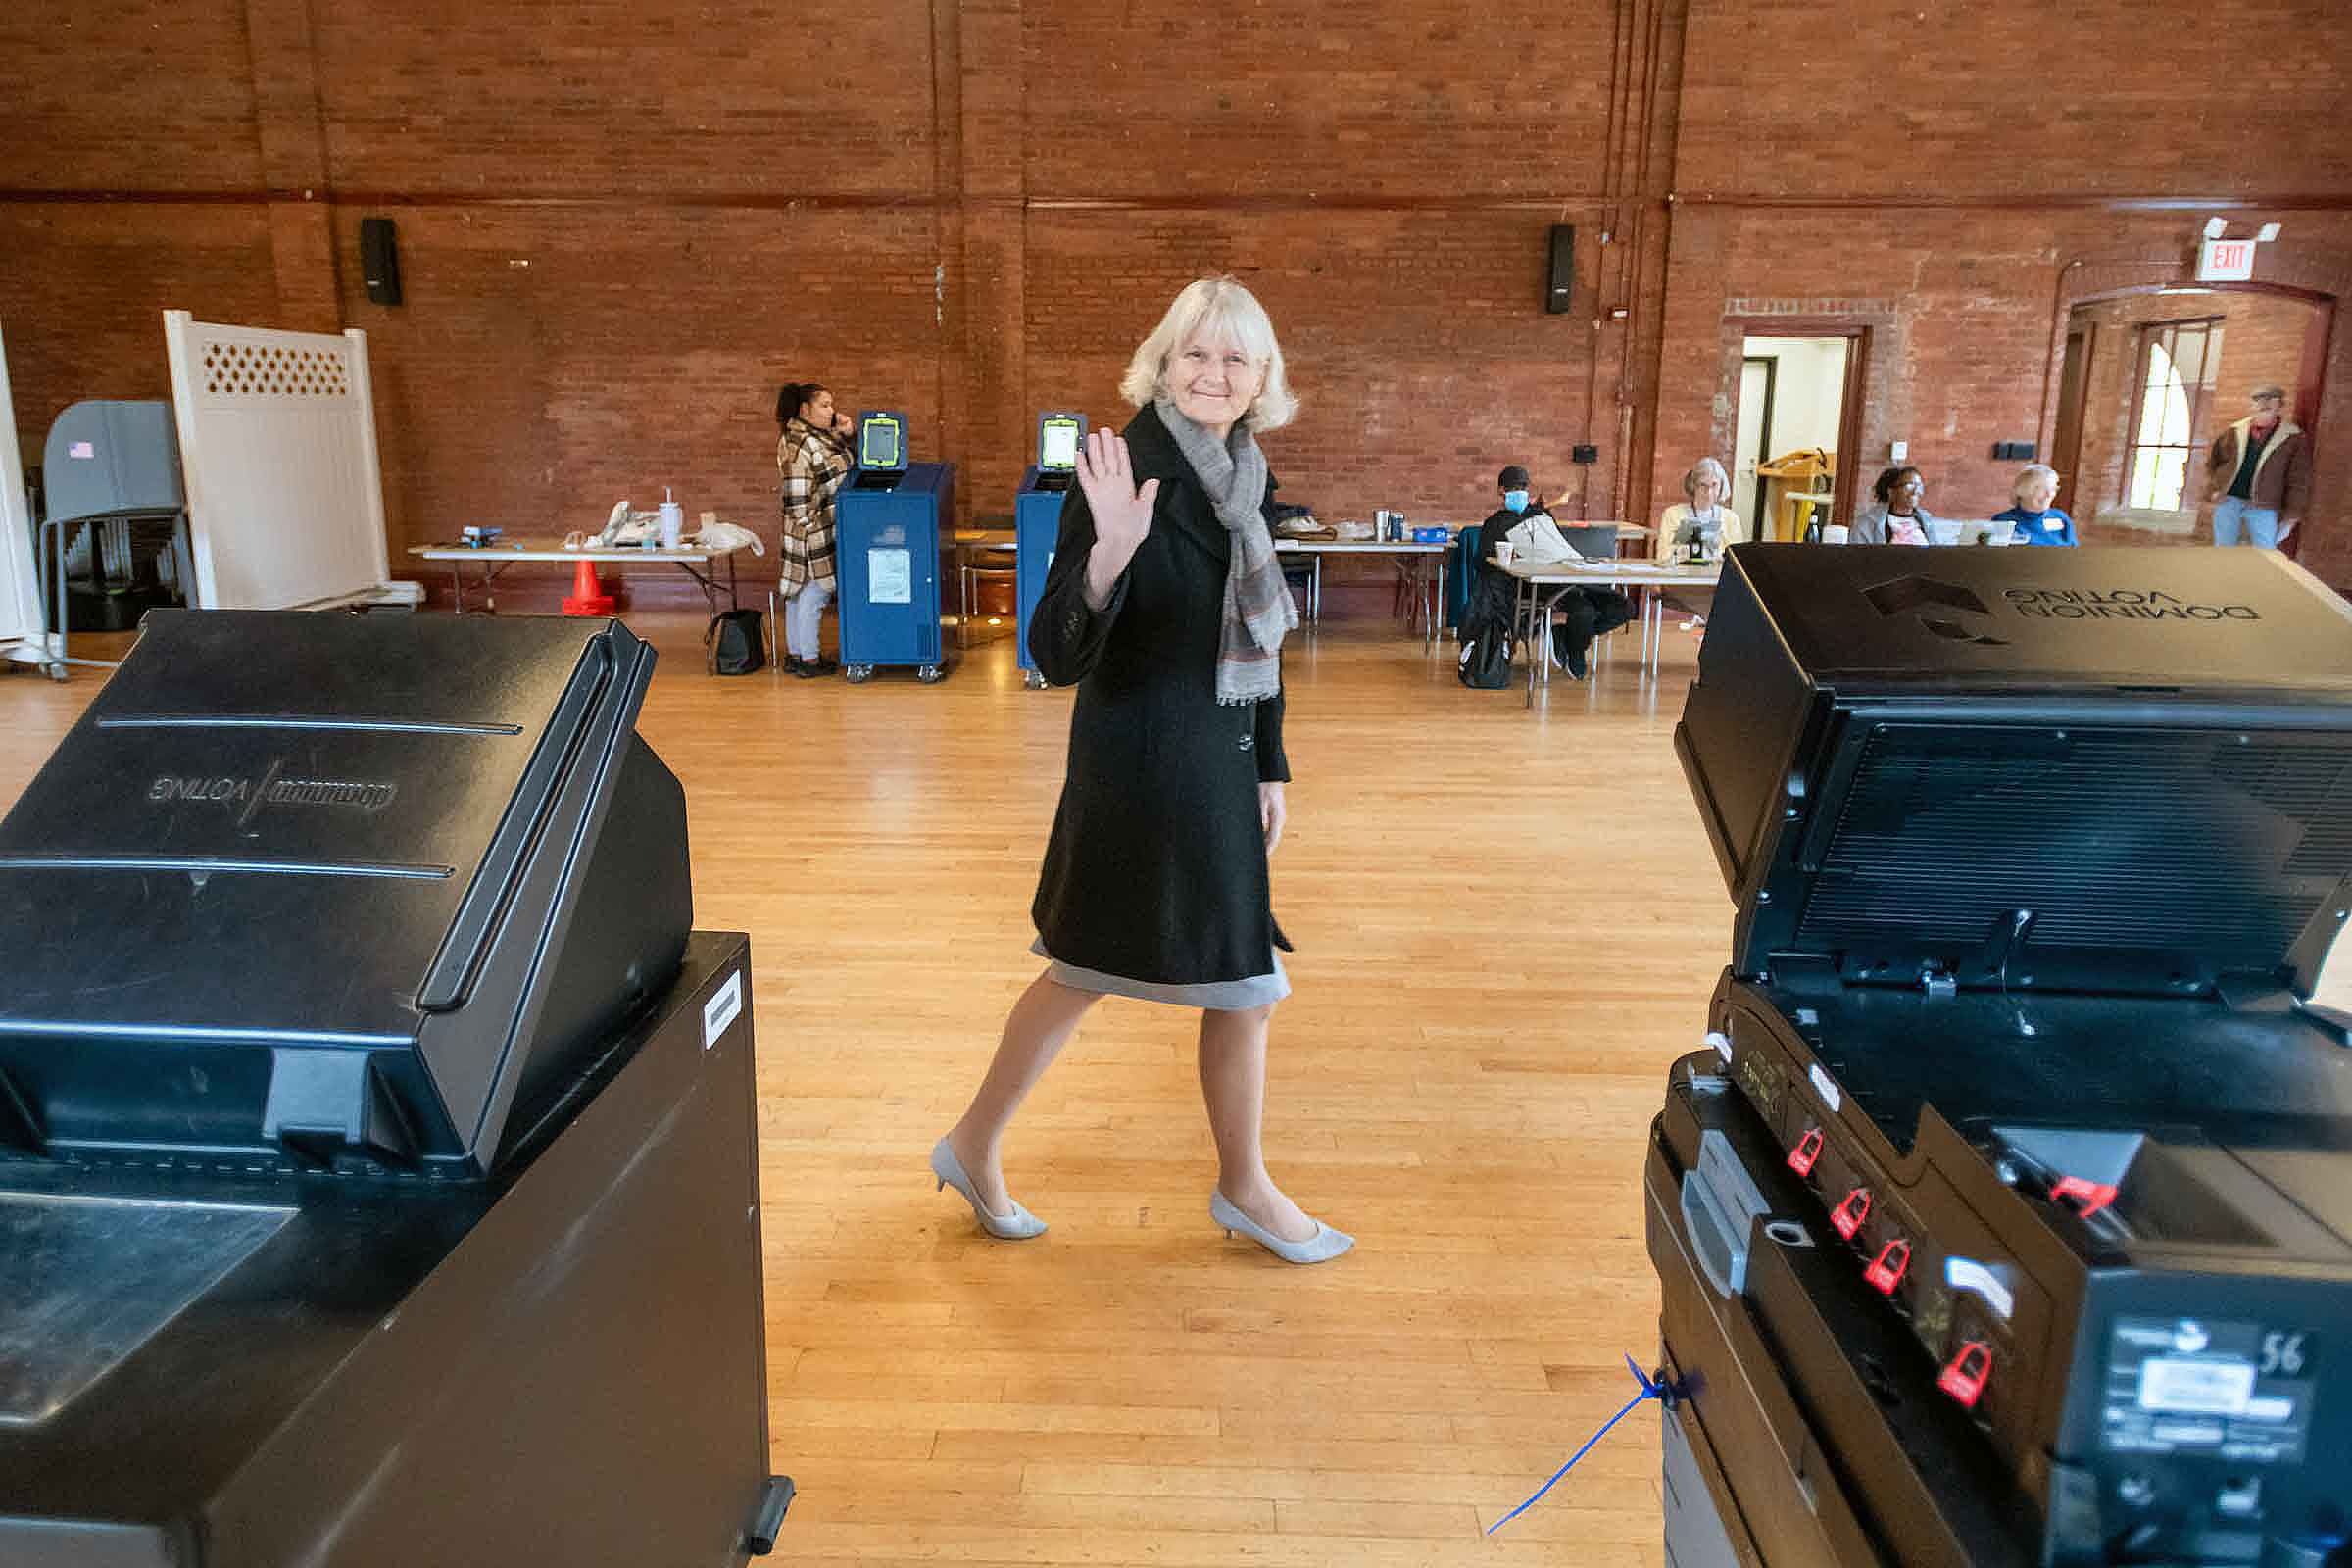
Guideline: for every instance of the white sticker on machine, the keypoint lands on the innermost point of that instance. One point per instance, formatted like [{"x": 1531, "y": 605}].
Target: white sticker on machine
[
  {"x": 1826, "y": 1087},
  {"x": 2233, "y": 1391},
  {"x": 721, "y": 1011},
  {"x": 890, "y": 576}
]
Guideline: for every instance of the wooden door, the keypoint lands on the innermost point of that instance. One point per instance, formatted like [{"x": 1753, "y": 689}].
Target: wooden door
[
  {"x": 1758, "y": 375},
  {"x": 2065, "y": 436}
]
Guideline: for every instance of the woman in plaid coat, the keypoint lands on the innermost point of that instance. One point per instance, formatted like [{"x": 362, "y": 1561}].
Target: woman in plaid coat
[{"x": 812, "y": 458}]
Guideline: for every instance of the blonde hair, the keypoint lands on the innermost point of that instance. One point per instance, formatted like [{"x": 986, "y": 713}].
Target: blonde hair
[
  {"x": 2029, "y": 476},
  {"x": 1218, "y": 309}
]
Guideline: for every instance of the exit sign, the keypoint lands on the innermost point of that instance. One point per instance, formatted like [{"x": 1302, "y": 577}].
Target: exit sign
[{"x": 2225, "y": 261}]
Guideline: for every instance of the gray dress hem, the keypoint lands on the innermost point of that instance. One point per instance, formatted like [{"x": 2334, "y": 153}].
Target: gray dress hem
[{"x": 1217, "y": 996}]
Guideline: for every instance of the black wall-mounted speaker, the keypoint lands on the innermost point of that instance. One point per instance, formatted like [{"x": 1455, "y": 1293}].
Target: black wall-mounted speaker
[
  {"x": 1559, "y": 284},
  {"x": 379, "y": 260}
]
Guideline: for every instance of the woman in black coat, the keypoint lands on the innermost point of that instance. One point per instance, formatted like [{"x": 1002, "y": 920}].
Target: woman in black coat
[{"x": 1166, "y": 607}]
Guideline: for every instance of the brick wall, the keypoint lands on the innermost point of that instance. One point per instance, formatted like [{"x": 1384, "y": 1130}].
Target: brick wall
[
  {"x": 1399, "y": 406},
  {"x": 619, "y": 232},
  {"x": 1957, "y": 306},
  {"x": 2000, "y": 100},
  {"x": 547, "y": 364},
  {"x": 129, "y": 95},
  {"x": 1348, "y": 99},
  {"x": 2266, "y": 343},
  {"x": 603, "y": 97},
  {"x": 83, "y": 288}
]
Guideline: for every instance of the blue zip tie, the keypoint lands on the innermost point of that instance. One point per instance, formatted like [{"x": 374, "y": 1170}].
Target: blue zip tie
[{"x": 1649, "y": 1391}]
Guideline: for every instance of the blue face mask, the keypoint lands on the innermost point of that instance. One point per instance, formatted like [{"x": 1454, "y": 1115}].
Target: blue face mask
[{"x": 1516, "y": 499}]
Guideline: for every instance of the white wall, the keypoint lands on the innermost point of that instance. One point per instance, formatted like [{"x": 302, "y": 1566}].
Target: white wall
[{"x": 1808, "y": 393}]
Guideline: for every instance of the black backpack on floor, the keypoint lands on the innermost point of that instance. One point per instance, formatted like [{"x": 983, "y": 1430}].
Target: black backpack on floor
[
  {"x": 736, "y": 643},
  {"x": 1486, "y": 663}
]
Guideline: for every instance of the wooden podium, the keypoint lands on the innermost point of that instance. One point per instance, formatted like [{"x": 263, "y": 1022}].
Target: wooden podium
[{"x": 1795, "y": 484}]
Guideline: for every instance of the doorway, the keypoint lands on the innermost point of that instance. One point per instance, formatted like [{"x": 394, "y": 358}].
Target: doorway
[
  {"x": 1786, "y": 463},
  {"x": 1758, "y": 375}
]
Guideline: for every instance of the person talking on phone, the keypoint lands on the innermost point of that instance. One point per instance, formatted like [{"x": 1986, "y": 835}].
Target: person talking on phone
[
  {"x": 812, "y": 459},
  {"x": 1166, "y": 607}
]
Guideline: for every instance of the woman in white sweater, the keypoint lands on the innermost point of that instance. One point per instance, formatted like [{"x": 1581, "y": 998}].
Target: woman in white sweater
[{"x": 1702, "y": 517}]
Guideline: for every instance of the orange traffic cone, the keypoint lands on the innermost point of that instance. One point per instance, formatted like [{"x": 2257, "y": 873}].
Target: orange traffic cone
[{"x": 587, "y": 596}]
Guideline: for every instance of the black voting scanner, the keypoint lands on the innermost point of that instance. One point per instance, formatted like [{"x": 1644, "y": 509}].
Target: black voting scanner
[
  {"x": 2006, "y": 1217},
  {"x": 377, "y": 1168}
]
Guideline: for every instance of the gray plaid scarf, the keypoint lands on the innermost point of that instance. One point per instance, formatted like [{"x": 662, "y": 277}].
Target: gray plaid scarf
[{"x": 1257, "y": 602}]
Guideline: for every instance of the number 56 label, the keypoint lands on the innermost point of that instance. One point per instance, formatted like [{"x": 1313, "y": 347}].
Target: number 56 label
[{"x": 2286, "y": 1356}]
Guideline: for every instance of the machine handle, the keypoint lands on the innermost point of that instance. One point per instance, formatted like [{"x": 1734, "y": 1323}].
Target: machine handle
[{"x": 1711, "y": 1242}]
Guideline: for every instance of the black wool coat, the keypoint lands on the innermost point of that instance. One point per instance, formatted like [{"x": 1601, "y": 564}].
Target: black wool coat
[{"x": 1157, "y": 867}]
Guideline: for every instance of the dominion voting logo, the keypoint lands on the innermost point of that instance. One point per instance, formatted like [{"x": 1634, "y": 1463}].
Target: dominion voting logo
[
  {"x": 245, "y": 796},
  {"x": 2118, "y": 604},
  {"x": 1948, "y": 609},
  {"x": 1958, "y": 613}
]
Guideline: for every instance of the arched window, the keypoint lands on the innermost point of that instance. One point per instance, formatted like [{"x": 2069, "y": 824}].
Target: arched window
[{"x": 2178, "y": 362}]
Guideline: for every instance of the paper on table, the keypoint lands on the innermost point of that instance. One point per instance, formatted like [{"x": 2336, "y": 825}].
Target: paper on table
[{"x": 1613, "y": 567}]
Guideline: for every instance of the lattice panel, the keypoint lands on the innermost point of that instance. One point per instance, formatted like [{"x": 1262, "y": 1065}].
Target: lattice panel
[
  {"x": 277, "y": 449},
  {"x": 273, "y": 371}
]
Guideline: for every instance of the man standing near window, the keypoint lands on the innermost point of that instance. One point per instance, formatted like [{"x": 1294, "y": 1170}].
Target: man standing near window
[{"x": 2260, "y": 474}]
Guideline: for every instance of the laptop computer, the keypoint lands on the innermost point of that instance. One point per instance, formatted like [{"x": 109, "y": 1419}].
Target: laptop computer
[{"x": 1968, "y": 531}]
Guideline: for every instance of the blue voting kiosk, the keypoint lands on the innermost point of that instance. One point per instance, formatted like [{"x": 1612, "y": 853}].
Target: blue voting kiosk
[
  {"x": 893, "y": 532},
  {"x": 1037, "y": 521}
]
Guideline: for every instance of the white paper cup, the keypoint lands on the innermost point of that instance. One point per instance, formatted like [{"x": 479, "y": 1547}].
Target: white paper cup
[
  {"x": 1835, "y": 534},
  {"x": 1503, "y": 550}
]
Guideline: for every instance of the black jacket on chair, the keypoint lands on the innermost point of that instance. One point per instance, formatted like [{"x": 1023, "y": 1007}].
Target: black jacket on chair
[{"x": 1157, "y": 867}]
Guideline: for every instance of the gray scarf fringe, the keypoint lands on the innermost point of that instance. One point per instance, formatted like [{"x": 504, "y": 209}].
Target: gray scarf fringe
[{"x": 1257, "y": 602}]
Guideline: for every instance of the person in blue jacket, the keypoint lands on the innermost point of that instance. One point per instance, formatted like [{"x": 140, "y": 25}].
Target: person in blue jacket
[{"x": 2033, "y": 521}]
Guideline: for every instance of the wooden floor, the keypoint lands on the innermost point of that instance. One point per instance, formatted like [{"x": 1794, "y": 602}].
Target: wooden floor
[{"x": 1509, "y": 924}]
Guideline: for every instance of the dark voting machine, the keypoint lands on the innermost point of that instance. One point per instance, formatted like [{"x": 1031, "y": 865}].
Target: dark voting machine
[
  {"x": 377, "y": 1180},
  {"x": 2006, "y": 1216}
]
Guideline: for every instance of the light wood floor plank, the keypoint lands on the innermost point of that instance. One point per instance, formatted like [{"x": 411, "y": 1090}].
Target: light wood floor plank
[{"x": 1509, "y": 924}]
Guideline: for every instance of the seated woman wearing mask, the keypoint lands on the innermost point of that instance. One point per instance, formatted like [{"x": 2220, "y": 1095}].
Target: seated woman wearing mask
[
  {"x": 1897, "y": 518},
  {"x": 1703, "y": 519}
]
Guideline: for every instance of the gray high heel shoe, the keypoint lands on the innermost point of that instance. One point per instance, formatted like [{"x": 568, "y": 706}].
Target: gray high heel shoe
[
  {"x": 1017, "y": 1225},
  {"x": 1321, "y": 1248}
]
